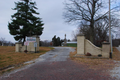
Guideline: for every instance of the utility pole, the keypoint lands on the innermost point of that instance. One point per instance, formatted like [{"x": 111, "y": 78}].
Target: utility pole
[{"x": 110, "y": 39}]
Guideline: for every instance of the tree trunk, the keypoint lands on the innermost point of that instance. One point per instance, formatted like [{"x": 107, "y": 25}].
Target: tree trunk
[
  {"x": 92, "y": 33},
  {"x": 92, "y": 23},
  {"x": 24, "y": 40}
]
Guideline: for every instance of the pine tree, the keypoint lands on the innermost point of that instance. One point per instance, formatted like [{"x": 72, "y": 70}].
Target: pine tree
[
  {"x": 56, "y": 41},
  {"x": 24, "y": 22}
]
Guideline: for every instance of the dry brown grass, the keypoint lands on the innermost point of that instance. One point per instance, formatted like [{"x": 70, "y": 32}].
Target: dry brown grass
[
  {"x": 8, "y": 56},
  {"x": 98, "y": 63},
  {"x": 116, "y": 54}
]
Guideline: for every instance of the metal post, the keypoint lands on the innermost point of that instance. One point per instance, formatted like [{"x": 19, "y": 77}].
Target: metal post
[
  {"x": 35, "y": 49},
  {"x": 35, "y": 45},
  {"x": 110, "y": 39}
]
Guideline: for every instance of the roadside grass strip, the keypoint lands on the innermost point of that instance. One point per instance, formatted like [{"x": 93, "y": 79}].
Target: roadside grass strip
[
  {"x": 8, "y": 56},
  {"x": 96, "y": 64}
]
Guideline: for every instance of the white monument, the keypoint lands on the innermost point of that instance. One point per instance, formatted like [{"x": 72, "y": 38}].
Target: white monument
[{"x": 65, "y": 41}]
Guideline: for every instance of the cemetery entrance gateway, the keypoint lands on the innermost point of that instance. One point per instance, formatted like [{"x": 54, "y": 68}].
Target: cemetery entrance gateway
[{"x": 31, "y": 44}]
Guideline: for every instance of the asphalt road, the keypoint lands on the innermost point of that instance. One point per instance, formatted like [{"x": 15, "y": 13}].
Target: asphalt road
[
  {"x": 56, "y": 55},
  {"x": 56, "y": 65},
  {"x": 118, "y": 48}
]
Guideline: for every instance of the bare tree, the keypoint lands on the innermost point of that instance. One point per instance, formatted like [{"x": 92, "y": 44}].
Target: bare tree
[
  {"x": 117, "y": 30},
  {"x": 84, "y": 10},
  {"x": 3, "y": 41},
  {"x": 101, "y": 29},
  {"x": 89, "y": 11},
  {"x": 74, "y": 35},
  {"x": 45, "y": 43}
]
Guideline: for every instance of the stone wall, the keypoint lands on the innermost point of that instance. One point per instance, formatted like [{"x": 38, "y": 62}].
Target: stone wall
[
  {"x": 91, "y": 48},
  {"x": 84, "y": 46},
  {"x": 80, "y": 44}
]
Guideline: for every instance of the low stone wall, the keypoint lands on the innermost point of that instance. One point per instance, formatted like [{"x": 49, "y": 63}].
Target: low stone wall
[
  {"x": 84, "y": 46},
  {"x": 91, "y": 48}
]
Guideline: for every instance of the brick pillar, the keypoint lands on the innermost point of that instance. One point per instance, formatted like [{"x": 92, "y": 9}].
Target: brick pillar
[
  {"x": 80, "y": 44},
  {"x": 106, "y": 49}
]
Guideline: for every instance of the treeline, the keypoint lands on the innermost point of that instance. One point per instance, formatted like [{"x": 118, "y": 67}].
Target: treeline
[
  {"x": 45, "y": 43},
  {"x": 4, "y": 42},
  {"x": 56, "y": 41}
]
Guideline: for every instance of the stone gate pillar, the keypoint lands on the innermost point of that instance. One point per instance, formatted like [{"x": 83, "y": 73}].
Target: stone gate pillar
[
  {"x": 80, "y": 44},
  {"x": 106, "y": 49},
  {"x": 18, "y": 46}
]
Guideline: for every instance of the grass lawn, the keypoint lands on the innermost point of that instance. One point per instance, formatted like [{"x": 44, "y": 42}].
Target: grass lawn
[
  {"x": 8, "y": 56},
  {"x": 72, "y": 45}
]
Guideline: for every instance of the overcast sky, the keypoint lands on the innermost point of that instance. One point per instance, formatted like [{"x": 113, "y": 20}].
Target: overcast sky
[{"x": 51, "y": 12}]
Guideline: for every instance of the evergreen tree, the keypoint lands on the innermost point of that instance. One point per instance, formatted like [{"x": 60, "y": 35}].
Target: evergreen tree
[
  {"x": 56, "y": 41},
  {"x": 24, "y": 22}
]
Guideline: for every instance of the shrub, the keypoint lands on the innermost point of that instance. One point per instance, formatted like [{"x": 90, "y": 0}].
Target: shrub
[{"x": 99, "y": 55}]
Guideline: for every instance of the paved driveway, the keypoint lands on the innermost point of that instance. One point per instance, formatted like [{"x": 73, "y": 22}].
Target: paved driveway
[{"x": 55, "y": 65}]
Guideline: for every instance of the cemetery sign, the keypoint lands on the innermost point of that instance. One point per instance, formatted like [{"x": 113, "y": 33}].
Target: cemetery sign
[
  {"x": 35, "y": 44},
  {"x": 31, "y": 39},
  {"x": 26, "y": 43}
]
